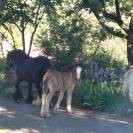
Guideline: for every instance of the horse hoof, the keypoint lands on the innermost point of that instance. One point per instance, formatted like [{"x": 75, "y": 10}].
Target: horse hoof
[
  {"x": 16, "y": 99},
  {"x": 37, "y": 102},
  {"x": 20, "y": 96},
  {"x": 29, "y": 101}
]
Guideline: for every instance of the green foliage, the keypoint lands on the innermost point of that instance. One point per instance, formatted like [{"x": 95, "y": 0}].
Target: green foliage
[
  {"x": 21, "y": 15},
  {"x": 93, "y": 4},
  {"x": 5, "y": 87},
  {"x": 14, "y": 11},
  {"x": 67, "y": 35},
  {"x": 126, "y": 7},
  {"x": 103, "y": 98},
  {"x": 93, "y": 93}
]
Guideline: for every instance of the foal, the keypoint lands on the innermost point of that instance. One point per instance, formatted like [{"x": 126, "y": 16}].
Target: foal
[{"x": 59, "y": 81}]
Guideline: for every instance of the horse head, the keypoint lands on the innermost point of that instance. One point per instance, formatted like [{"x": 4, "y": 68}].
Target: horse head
[{"x": 14, "y": 58}]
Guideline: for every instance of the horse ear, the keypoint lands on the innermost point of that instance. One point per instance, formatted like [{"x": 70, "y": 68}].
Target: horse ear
[{"x": 7, "y": 52}]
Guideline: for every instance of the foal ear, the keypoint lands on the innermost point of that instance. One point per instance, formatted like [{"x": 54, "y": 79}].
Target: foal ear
[
  {"x": 49, "y": 71},
  {"x": 78, "y": 71}
]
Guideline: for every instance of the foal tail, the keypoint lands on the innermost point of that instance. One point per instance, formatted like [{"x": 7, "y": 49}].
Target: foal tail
[
  {"x": 47, "y": 75},
  {"x": 46, "y": 78}
]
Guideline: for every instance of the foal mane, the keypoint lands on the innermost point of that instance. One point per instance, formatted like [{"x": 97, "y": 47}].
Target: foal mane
[{"x": 71, "y": 68}]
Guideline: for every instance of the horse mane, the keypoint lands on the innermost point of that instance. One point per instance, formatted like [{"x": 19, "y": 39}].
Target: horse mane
[{"x": 17, "y": 56}]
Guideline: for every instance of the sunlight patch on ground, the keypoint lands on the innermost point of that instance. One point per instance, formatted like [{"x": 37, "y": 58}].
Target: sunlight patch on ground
[
  {"x": 79, "y": 114},
  {"x": 2, "y": 110},
  {"x": 9, "y": 114},
  {"x": 113, "y": 120},
  {"x": 23, "y": 130},
  {"x": 76, "y": 113}
]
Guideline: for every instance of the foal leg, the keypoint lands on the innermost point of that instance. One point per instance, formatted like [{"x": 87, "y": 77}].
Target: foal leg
[
  {"x": 56, "y": 108},
  {"x": 45, "y": 91},
  {"x": 17, "y": 95},
  {"x": 69, "y": 99},
  {"x": 45, "y": 112},
  {"x": 43, "y": 103},
  {"x": 30, "y": 95}
]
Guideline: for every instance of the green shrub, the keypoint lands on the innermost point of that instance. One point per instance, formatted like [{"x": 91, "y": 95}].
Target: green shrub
[
  {"x": 6, "y": 87},
  {"x": 101, "y": 98}
]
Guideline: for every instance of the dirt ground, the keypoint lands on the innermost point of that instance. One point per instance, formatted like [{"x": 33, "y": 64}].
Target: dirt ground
[{"x": 23, "y": 118}]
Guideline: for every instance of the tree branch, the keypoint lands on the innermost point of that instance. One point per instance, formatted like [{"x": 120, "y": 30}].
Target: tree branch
[
  {"x": 36, "y": 23},
  {"x": 117, "y": 8},
  {"x": 116, "y": 17},
  {"x": 5, "y": 38},
  {"x": 107, "y": 28},
  {"x": 11, "y": 34},
  {"x": 17, "y": 26}
]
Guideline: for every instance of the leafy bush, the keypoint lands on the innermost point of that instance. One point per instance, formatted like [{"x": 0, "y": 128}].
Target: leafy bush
[
  {"x": 102, "y": 98},
  {"x": 93, "y": 92},
  {"x": 2, "y": 68},
  {"x": 6, "y": 87}
]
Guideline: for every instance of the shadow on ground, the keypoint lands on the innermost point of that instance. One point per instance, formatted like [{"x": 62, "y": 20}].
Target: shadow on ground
[{"x": 24, "y": 118}]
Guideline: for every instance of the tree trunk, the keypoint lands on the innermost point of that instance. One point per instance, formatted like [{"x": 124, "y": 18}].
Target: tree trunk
[
  {"x": 130, "y": 43},
  {"x": 31, "y": 40},
  {"x": 23, "y": 40}
]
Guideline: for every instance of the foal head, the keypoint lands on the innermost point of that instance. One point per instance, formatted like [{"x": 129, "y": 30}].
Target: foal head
[{"x": 75, "y": 70}]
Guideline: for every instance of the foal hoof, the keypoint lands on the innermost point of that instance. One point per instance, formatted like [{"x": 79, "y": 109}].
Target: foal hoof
[
  {"x": 56, "y": 110},
  {"x": 45, "y": 115},
  {"x": 69, "y": 110}
]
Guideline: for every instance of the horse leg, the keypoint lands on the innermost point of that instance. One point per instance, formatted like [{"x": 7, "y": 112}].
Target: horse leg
[
  {"x": 38, "y": 101},
  {"x": 39, "y": 89},
  {"x": 17, "y": 95},
  {"x": 56, "y": 108},
  {"x": 30, "y": 95},
  {"x": 69, "y": 99}
]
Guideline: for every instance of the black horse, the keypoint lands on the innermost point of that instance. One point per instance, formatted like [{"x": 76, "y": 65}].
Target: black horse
[{"x": 27, "y": 69}]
